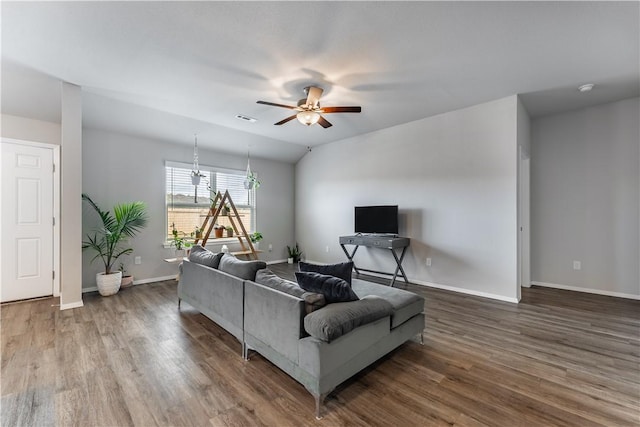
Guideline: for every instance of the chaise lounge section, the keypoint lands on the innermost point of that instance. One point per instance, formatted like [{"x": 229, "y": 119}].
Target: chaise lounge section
[{"x": 319, "y": 345}]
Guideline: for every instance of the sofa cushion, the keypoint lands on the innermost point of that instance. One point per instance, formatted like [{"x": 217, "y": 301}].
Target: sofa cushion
[
  {"x": 312, "y": 301},
  {"x": 342, "y": 270},
  {"x": 333, "y": 288},
  {"x": 203, "y": 256},
  {"x": 405, "y": 304},
  {"x": 243, "y": 269},
  {"x": 338, "y": 319},
  {"x": 268, "y": 278}
]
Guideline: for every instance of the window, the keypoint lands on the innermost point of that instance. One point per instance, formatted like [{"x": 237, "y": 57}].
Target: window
[{"x": 187, "y": 213}]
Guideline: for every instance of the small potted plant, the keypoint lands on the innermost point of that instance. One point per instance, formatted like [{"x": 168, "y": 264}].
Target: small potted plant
[
  {"x": 255, "y": 239},
  {"x": 219, "y": 231},
  {"x": 294, "y": 254},
  {"x": 198, "y": 232},
  {"x": 229, "y": 231},
  {"x": 225, "y": 210},
  {"x": 127, "y": 279},
  {"x": 178, "y": 242}
]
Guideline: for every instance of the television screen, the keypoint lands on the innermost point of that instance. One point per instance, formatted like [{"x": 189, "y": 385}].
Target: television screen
[{"x": 376, "y": 219}]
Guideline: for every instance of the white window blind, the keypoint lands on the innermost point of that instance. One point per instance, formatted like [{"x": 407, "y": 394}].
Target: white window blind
[{"x": 187, "y": 213}]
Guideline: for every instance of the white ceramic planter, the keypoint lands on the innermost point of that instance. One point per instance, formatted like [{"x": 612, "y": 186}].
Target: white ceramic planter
[
  {"x": 290, "y": 260},
  {"x": 109, "y": 284}
]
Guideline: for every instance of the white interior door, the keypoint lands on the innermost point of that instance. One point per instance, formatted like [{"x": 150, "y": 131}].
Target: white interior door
[{"x": 27, "y": 222}]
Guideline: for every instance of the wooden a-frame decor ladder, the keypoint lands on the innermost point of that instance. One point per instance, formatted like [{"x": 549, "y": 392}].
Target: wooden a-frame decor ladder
[{"x": 239, "y": 231}]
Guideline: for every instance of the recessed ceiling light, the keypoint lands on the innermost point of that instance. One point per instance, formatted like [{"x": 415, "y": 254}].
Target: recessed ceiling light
[
  {"x": 246, "y": 118},
  {"x": 586, "y": 88}
]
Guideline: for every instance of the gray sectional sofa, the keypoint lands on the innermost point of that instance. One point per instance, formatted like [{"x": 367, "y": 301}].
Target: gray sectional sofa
[{"x": 318, "y": 345}]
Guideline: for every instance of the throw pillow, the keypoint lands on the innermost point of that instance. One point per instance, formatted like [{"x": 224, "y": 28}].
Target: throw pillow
[
  {"x": 312, "y": 301},
  {"x": 333, "y": 288},
  {"x": 342, "y": 270},
  {"x": 243, "y": 269},
  {"x": 336, "y": 320},
  {"x": 268, "y": 278},
  {"x": 200, "y": 255}
]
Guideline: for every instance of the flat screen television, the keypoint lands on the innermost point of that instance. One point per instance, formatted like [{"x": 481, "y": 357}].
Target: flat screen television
[{"x": 376, "y": 219}]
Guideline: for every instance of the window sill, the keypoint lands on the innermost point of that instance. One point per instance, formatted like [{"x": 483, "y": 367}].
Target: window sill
[{"x": 211, "y": 242}]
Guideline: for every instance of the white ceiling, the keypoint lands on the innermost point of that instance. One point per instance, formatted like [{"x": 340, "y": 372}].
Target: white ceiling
[{"x": 167, "y": 70}]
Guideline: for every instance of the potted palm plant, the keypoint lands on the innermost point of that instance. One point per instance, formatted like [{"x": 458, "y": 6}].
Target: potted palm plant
[{"x": 107, "y": 241}]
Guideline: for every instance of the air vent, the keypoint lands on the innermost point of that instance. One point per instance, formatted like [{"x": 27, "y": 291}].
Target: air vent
[{"x": 246, "y": 118}]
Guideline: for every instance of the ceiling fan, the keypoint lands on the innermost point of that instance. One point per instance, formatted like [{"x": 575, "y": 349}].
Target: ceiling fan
[{"x": 309, "y": 110}]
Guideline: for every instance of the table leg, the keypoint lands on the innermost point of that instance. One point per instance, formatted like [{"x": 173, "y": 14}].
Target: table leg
[
  {"x": 399, "y": 266},
  {"x": 350, "y": 256}
]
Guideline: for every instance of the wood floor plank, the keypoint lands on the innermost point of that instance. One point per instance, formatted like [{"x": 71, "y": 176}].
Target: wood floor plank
[{"x": 558, "y": 358}]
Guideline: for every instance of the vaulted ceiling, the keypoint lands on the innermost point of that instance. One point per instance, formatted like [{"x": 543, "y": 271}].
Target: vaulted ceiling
[{"x": 167, "y": 70}]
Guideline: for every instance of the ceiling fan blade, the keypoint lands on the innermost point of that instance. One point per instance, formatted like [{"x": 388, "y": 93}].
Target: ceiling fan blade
[
  {"x": 341, "y": 109},
  {"x": 276, "y": 105},
  {"x": 281, "y": 122},
  {"x": 324, "y": 123},
  {"x": 313, "y": 95}
]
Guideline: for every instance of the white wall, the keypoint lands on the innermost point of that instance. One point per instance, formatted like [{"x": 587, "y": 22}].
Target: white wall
[
  {"x": 585, "y": 199},
  {"x": 30, "y": 129},
  {"x": 454, "y": 177},
  {"x": 121, "y": 168}
]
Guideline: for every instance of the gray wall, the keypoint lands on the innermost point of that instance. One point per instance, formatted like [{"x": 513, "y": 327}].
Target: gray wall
[
  {"x": 119, "y": 168},
  {"x": 585, "y": 199},
  {"x": 454, "y": 179}
]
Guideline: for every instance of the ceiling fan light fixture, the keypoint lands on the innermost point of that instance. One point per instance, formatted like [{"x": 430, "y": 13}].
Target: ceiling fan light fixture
[{"x": 308, "y": 117}]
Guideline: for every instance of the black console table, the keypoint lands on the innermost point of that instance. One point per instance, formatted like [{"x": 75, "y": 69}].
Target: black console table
[{"x": 382, "y": 242}]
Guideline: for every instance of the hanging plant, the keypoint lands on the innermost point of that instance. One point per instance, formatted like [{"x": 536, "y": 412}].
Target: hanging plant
[
  {"x": 195, "y": 177},
  {"x": 250, "y": 180}
]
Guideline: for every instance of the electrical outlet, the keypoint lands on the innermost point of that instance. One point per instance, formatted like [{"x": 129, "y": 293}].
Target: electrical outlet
[
  {"x": 577, "y": 265},
  {"x": 428, "y": 262},
  {"x": 270, "y": 247},
  {"x": 326, "y": 249},
  {"x": 137, "y": 260}
]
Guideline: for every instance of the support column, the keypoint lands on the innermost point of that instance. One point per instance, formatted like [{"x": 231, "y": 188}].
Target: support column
[{"x": 70, "y": 200}]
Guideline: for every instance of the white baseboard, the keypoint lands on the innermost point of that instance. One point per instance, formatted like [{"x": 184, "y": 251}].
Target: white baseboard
[
  {"x": 76, "y": 304},
  {"x": 135, "y": 282},
  {"x": 154, "y": 279},
  {"x": 448, "y": 288},
  {"x": 587, "y": 290},
  {"x": 464, "y": 291}
]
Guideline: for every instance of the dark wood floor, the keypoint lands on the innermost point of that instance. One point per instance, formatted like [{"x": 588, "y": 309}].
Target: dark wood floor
[{"x": 557, "y": 358}]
